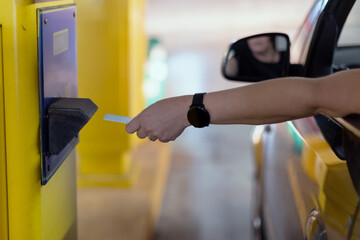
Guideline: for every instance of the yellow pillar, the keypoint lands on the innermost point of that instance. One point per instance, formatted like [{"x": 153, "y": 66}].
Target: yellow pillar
[
  {"x": 112, "y": 52},
  {"x": 111, "y": 58},
  {"x": 28, "y": 210}
]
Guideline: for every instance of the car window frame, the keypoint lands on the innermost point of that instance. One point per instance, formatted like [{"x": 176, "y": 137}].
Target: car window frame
[
  {"x": 329, "y": 23},
  {"x": 301, "y": 43},
  {"x": 325, "y": 37}
]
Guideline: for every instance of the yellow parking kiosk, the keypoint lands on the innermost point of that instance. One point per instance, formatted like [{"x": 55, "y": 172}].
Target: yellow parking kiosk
[{"x": 40, "y": 118}]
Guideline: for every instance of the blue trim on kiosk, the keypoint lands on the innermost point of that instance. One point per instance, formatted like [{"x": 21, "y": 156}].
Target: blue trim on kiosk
[{"x": 62, "y": 114}]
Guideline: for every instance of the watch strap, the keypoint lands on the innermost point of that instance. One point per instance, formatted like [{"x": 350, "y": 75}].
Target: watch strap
[{"x": 198, "y": 99}]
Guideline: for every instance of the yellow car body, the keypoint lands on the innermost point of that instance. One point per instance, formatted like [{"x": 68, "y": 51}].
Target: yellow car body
[{"x": 304, "y": 190}]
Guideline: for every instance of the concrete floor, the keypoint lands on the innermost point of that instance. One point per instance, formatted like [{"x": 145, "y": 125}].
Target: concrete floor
[{"x": 208, "y": 194}]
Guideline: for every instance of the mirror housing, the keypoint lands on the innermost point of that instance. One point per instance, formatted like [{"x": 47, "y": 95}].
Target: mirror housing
[{"x": 258, "y": 57}]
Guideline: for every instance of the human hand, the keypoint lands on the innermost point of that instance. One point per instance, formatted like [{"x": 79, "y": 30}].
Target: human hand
[{"x": 164, "y": 120}]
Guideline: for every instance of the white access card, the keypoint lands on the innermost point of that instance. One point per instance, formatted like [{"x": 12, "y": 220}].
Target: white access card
[{"x": 117, "y": 118}]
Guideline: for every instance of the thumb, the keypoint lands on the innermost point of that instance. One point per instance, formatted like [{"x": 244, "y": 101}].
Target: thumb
[{"x": 133, "y": 125}]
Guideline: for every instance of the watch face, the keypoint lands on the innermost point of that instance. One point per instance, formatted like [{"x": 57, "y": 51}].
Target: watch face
[{"x": 198, "y": 117}]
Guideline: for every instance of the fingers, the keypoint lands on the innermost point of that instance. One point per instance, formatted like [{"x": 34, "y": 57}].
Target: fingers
[
  {"x": 164, "y": 140},
  {"x": 133, "y": 125},
  {"x": 152, "y": 139},
  {"x": 141, "y": 133}
]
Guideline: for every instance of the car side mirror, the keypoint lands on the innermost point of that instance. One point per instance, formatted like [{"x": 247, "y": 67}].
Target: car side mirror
[{"x": 256, "y": 58}]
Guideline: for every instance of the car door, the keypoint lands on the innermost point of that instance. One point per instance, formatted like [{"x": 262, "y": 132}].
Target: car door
[{"x": 307, "y": 190}]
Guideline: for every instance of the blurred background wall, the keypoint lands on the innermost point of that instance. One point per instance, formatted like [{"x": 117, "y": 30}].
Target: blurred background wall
[{"x": 209, "y": 189}]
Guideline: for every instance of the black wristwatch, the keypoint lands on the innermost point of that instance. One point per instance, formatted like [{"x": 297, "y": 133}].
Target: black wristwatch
[{"x": 197, "y": 115}]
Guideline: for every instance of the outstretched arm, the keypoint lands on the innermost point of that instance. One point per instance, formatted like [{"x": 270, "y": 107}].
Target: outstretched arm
[{"x": 270, "y": 101}]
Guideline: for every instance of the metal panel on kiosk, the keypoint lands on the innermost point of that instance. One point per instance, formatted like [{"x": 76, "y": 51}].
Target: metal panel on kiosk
[{"x": 57, "y": 55}]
